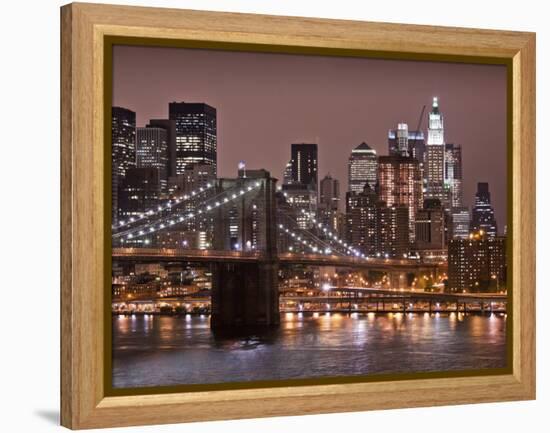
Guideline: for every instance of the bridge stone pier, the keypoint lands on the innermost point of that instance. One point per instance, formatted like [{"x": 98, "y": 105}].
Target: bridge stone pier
[
  {"x": 246, "y": 294},
  {"x": 398, "y": 280}
]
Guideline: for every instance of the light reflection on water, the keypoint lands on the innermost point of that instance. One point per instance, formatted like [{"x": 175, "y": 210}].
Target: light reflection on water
[{"x": 165, "y": 350}]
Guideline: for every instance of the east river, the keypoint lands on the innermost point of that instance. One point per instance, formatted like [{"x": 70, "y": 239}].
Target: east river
[{"x": 178, "y": 350}]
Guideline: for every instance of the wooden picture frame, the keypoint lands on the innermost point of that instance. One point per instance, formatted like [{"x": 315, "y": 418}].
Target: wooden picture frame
[{"x": 85, "y": 215}]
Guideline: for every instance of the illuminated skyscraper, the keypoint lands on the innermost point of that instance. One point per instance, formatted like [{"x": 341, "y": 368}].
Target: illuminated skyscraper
[
  {"x": 287, "y": 175},
  {"x": 362, "y": 168},
  {"x": 435, "y": 155},
  {"x": 483, "y": 215},
  {"x": 453, "y": 175},
  {"x": 460, "y": 222},
  {"x": 123, "y": 150},
  {"x": 392, "y": 230},
  {"x": 361, "y": 216},
  {"x": 412, "y": 141},
  {"x": 304, "y": 164},
  {"x": 152, "y": 151},
  {"x": 302, "y": 200},
  {"x": 196, "y": 134},
  {"x": 400, "y": 184}
]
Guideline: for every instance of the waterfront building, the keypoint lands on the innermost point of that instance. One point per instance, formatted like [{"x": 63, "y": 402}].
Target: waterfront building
[
  {"x": 123, "y": 150},
  {"x": 362, "y": 168},
  {"x": 152, "y": 151},
  {"x": 196, "y": 134},
  {"x": 477, "y": 264},
  {"x": 483, "y": 214}
]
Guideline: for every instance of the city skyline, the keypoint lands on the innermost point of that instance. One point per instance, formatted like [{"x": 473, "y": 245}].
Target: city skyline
[
  {"x": 224, "y": 219},
  {"x": 271, "y": 150}
]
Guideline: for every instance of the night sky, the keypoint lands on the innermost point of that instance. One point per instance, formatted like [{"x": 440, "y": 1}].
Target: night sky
[{"x": 265, "y": 102}]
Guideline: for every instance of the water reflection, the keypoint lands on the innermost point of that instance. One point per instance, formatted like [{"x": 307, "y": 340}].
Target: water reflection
[{"x": 164, "y": 350}]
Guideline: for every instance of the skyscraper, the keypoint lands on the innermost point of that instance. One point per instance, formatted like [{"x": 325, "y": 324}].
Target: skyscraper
[
  {"x": 453, "y": 175},
  {"x": 430, "y": 226},
  {"x": 329, "y": 202},
  {"x": 392, "y": 230},
  {"x": 362, "y": 168},
  {"x": 140, "y": 191},
  {"x": 123, "y": 150},
  {"x": 330, "y": 193},
  {"x": 361, "y": 220},
  {"x": 483, "y": 215},
  {"x": 435, "y": 155},
  {"x": 287, "y": 175},
  {"x": 152, "y": 151},
  {"x": 400, "y": 184},
  {"x": 170, "y": 127},
  {"x": 302, "y": 200},
  {"x": 304, "y": 164},
  {"x": 196, "y": 134},
  {"x": 460, "y": 222},
  {"x": 415, "y": 141}
]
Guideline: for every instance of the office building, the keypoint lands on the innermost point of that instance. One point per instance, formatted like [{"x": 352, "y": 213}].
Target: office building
[
  {"x": 302, "y": 200},
  {"x": 392, "y": 224},
  {"x": 196, "y": 134},
  {"x": 123, "y": 150},
  {"x": 362, "y": 168},
  {"x": 400, "y": 184},
  {"x": 453, "y": 176},
  {"x": 460, "y": 222},
  {"x": 152, "y": 151},
  {"x": 412, "y": 141},
  {"x": 140, "y": 191},
  {"x": 361, "y": 220},
  {"x": 483, "y": 214},
  {"x": 434, "y": 160},
  {"x": 304, "y": 164},
  {"x": 430, "y": 226},
  {"x": 170, "y": 127}
]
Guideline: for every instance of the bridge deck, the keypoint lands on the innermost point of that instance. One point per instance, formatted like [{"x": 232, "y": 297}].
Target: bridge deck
[{"x": 165, "y": 254}]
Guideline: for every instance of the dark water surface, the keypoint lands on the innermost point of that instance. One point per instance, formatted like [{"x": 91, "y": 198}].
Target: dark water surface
[{"x": 179, "y": 350}]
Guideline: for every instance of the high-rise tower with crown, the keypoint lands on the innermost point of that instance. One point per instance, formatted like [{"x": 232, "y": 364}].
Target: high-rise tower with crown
[{"x": 435, "y": 155}]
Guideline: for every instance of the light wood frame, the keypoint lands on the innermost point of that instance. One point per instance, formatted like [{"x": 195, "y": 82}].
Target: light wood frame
[{"x": 83, "y": 400}]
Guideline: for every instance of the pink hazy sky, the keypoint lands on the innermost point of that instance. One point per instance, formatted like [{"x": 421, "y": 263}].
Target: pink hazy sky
[{"x": 266, "y": 101}]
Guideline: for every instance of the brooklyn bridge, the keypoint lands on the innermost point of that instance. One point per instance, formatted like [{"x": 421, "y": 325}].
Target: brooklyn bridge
[{"x": 254, "y": 234}]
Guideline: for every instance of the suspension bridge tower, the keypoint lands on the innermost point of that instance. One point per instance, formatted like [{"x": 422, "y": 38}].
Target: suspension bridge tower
[{"x": 245, "y": 294}]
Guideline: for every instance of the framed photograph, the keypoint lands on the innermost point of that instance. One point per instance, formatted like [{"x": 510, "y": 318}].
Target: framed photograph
[{"x": 268, "y": 216}]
